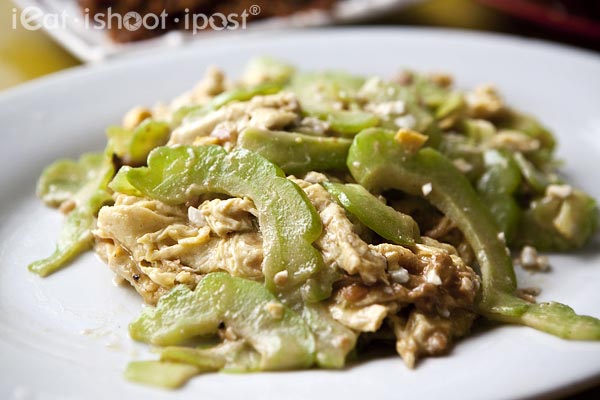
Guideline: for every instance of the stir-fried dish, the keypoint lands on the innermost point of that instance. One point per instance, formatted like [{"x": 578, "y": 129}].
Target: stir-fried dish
[{"x": 289, "y": 219}]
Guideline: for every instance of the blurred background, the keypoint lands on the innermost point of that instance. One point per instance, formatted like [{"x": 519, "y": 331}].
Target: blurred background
[{"x": 26, "y": 54}]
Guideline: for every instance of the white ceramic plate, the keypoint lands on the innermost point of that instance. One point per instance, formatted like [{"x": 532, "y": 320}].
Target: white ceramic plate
[
  {"x": 94, "y": 44},
  {"x": 65, "y": 337}
]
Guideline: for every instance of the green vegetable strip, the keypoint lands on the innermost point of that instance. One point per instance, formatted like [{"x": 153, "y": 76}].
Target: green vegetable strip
[
  {"x": 333, "y": 340},
  {"x": 453, "y": 105},
  {"x": 496, "y": 188},
  {"x": 554, "y": 318},
  {"x": 296, "y": 153},
  {"x": 121, "y": 184},
  {"x": 228, "y": 356},
  {"x": 206, "y": 360},
  {"x": 134, "y": 146},
  {"x": 61, "y": 180},
  {"x": 243, "y": 94},
  {"x": 281, "y": 337},
  {"x": 384, "y": 220},
  {"x": 289, "y": 223},
  {"x": 535, "y": 178},
  {"x": 75, "y": 236},
  {"x": 345, "y": 122},
  {"x": 378, "y": 161},
  {"x": 163, "y": 374},
  {"x": 332, "y": 89}
]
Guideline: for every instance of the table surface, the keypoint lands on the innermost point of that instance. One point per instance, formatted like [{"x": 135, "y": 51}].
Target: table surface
[{"x": 26, "y": 55}]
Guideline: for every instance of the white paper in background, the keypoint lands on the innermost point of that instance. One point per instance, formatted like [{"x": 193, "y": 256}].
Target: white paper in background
[{"x": 93, "y": 45}]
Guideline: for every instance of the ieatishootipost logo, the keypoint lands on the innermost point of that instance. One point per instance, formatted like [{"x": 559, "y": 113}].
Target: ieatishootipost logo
[{"x": 34, "y": 18}]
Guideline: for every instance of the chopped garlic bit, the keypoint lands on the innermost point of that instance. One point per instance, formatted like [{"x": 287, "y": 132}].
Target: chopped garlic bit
[
  {"x": 441, "y": 79},
  {"x": 404, "y": 77},
  {"x": 387, "y": 108},
  {"x": 444, "y": 312},
  {"x": 371, "y": 87},
  {"x": 405, "y": 121},
  {"x": 365, "y": 319},
  {"x": 67, "y": 206},
  {"x": 502, "y": 237},
  {"x": 400, "y": 276},
  {"x": 229, "y": 334},
  {"x": 426, "y": 189},
  {"x": 313, "y": 125},
  {"x": 466, "y": 284},
  {"x": 136, "y": 116},
  {"x": 514, "y": 141},
  {"x": 529, "y": 294},
  {"x": 530, "y": 260},
  {"x": 205, "y": 140},
  {"x": 281, "y": 278},
  {"x": 275, "y": 309},
  {"x": 463, "y": 165},
  {"x": 484, "y": 102},
  {"x": 559, "y": 191},
  {"x": 432, "y": 277},
  {"x": 315, "y": 177}
]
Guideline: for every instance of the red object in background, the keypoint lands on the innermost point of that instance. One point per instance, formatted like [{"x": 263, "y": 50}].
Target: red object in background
[{"x": 579, "y": 17}]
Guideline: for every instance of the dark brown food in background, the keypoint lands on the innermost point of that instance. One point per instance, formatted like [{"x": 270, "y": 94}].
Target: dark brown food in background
[
  {"x": 583, "y": 8},
  {"x": 176, "y": 10},
  {"x": 579, "y": 19}
]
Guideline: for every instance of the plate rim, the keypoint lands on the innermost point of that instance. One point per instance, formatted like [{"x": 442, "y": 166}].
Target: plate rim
[{"x": 107, "y": 68}]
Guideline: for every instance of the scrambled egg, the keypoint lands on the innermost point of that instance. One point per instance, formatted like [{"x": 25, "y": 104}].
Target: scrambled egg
[
  {"x": 419, "y": 291},
  {"x": 423, "y": 295}
]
